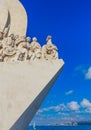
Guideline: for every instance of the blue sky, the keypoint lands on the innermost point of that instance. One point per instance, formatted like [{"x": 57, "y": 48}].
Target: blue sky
[{"x": 68, "y": 22}]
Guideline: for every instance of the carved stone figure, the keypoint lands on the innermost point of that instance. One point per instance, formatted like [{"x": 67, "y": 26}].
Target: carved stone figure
[
  {"x": 35, "y": 50},
  {"x": 9, "y": 47},
  {"x": 22, "y": 48},
  {"x": 19, "y": 39},
  {"x": 18, "y": 48},
  {"x": 49, "y": 51}
]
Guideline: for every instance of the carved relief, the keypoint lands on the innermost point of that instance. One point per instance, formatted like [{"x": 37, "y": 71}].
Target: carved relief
[
  {"x": 35, "y": 51},
  {"x": 20, "y": 48},
  {"x": 49, "y": 51}
]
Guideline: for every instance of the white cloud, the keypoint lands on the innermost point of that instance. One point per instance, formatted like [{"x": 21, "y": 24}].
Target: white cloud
[
  {"x": 85, "y": 103},
  {"x": 88, "y": 74},
  {"x": 83, "y": 107},
  {"x": 64, "y": 112},
  {"x": 88, "y": 110},
  {"x": 57, "y": 108},
  {"x": 61, "y": 107},
  {"x": 73, "y": 106},
  {"x": 69, "y": 92}
]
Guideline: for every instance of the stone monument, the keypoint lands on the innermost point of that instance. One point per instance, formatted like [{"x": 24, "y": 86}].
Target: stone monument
[{"x": 27, "y": 70}]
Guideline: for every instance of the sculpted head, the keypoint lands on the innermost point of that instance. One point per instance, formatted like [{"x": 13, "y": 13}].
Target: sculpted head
[
  {"x": 16, "y": 37},
  {"x": 34, "y": 39},
  {"x": 28, "y": 39},
  {"x": 22, "y": 38},
  {"x": 48, "y": 38},
  {"x": 50, "y": 45},
  {"x": 12, "y": 36}
]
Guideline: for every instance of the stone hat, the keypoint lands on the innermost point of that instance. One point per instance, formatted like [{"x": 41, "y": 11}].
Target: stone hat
[
  {"x": 48, "y": 38},
  {"x": 34, "y": 39},
  {"x": 28, "y": 39}
]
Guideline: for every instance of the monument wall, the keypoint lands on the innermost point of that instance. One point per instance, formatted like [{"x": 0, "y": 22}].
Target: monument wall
[{"x": 27, "y": 69}]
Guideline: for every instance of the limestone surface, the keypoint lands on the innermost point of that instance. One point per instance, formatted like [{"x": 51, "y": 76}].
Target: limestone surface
[
  {"x": 3, "y": 15},
  {"x": 13, "y": 15},
  {"x": 18, "y": 18},
  {"x": 23, "y": 87}
]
